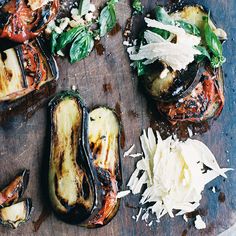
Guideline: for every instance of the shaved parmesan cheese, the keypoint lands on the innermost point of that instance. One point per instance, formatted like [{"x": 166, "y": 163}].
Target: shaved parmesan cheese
[
  {"x": 199, "y": 223},
  {"x": 177, "y": 55},
  {"x": 123, "y": 194},
  {"x": 173, "y": 175},
  {"x": 128, "y": 152}
]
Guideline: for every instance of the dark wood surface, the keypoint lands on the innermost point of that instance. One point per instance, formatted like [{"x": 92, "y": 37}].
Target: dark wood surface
[{"x": 24, "y": 142}]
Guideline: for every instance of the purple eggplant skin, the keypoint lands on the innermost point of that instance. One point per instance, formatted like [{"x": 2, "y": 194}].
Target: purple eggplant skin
[
  {"x": 21, "y": 211},
  {"x": 15, "y": 189},
  {"x": 81, "y": 181}
]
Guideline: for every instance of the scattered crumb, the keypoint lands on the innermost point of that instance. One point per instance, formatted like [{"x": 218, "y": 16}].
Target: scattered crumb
[
  {"x": 213, "y": 189},
  {"x": 199, "y": 223},
  {"x": 133, "y": 217},
  {"x": 73, "y": 87},
  {"x": 185, "y": 218}
]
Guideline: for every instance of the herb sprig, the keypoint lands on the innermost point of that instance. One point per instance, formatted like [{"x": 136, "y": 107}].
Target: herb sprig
[{"x": 80, "y": 40}]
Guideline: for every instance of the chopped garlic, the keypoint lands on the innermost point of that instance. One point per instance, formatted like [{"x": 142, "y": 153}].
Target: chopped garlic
[
  {"x": 74, "y": 11},
  {"x": 58, "y": 30},
  {"x": 174, "y": 174},
  {"x": 64, "y": 23},
  {"x": 36, "y": 4},
  {"x": 89, "y": 16},
  {"x": 199, "y": 223}
]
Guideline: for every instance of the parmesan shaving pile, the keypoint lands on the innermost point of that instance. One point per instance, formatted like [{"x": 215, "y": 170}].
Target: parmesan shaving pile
[
  {"x": 174, "y": 174},
  {"x": 177, "y": 55}
]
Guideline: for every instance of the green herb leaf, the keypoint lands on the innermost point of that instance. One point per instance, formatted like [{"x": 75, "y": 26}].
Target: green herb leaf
[
  {"x": 189, "y": 28},
  {"x": 67, "y": 37},
  {"x": 140, "y": 67},
  {"x": 163, "y": 33},
  {"x": 107, "y": 18},
  {"x": 82, "y": 46},
  {"x": 204, "y": 52},
  {"x": 137, "y": 6},
  {"x": 213, "y": 43},
  {"x": 84, "y": 7},
  {"x": 162, "y": 16},
  {"x": 53, "y": 41}
]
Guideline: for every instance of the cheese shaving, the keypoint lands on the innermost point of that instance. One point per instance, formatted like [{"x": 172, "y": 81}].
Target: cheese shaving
[
  {"x": 173, "y": 173},
  {"x": 177, "y": 55},
  {"x": 129, "y": 151}
]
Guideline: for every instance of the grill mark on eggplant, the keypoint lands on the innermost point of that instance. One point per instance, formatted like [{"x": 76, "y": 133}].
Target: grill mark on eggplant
[{"x": 19, "y": 54}]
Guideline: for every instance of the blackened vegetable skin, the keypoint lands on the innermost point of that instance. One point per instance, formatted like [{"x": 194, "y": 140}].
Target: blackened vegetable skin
[
  {"x": 205, "y": 101},
  {"x": 104, "y": 133},
  {"x": 14, "y": 190},
  {"x": 20, "y": 23},
  {"x": 72, "y": 189}
]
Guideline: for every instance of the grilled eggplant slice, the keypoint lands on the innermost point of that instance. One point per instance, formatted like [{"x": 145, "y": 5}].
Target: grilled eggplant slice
[
  {"x": 12, "y": 192},
  {"x": 25, "y": 71},
  {"x": 16, "y": 214},
  {"x": 104, "y": 131},
  {"x": 72, "y": 188},
  {"x": 21, "y": 20},
  {"x": 205, "y": 101}
]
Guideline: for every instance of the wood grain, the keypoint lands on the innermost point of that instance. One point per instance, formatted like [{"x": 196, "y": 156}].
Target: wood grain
[{"x": 24, "y": 143}]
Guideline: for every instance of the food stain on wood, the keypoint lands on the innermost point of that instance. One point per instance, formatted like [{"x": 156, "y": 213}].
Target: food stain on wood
[
  {"x": 107, "y": 88},
  {"x": 185, "y": 232},
  {"x": 132, "y": 114},
  {"x": 99, "y": 47},
  {"x": 43, "y": 216},
  {"x": 115, "y": 30},
  {"x": 221, "y": 197}
]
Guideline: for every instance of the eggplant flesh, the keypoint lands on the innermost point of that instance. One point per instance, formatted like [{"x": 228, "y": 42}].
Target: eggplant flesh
[
  {"x": 104, "y": 131},
  {"x": 16, "y": 214},
  {"x": 13, "y": 191},
  {"x": 72, "y": 188},
  {"x": 24, "y": 69},
  {"x": 174, "y": 85}
]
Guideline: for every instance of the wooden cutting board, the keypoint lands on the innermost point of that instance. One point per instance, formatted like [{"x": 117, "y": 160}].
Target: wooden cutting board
[{"x": 107, "y": 80}]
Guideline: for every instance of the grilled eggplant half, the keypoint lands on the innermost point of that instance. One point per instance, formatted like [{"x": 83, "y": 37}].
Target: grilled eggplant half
[
  {"x": 13, "y": 191},
  {"x": 21, "y": 20},
  {"x": 72, "y": 188},
  {"x": 25, "y": 72},
  {"x": 16, "y": 214},
  {"x": 104, "y": 131}
]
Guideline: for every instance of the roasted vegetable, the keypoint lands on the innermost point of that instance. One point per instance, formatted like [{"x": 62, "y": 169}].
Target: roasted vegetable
[
  {"x": 24, "y": 70},
  {"x": 104, "y": 130},
  {"x": 12, "y": 192},
  {"x": 16, "y": 214},
  {"x": 21, "y": 20},
  {"x": 196, "y": 93},
  {"x": 205, "y": 101},
  {"x": 72, "y": 189}
]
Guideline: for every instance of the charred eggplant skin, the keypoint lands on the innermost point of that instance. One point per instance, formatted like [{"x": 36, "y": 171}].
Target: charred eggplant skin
[
  {"x": 72, "y": 189},
  {"x": 14, "y": 191},
  {"x": 104, "y": 141},
  {"x": 15, "y": 215}
]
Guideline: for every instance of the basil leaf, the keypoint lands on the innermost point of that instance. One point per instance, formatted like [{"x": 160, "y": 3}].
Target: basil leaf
[
  {"x": 162, "y": 16},
  {"x": 140, "y": 67},
  {"x": 67, "y": 37},
  {"x": 53, "y": 41},
  {"x": 84, "y": 7},
  {"x": 82, "y": 46},
  {"x": 163, "y": 33},
  {"x": 203, "y": 51},
  {"x": 107, "y": 18},
  {"x": 137, "y": 6},
  {"x": 213, "y": 43},
  {"x": 189, "y": 28},
  {"x": 211, "y": 39}
]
